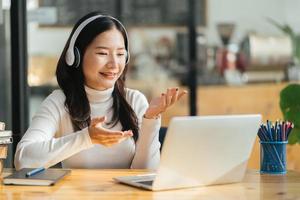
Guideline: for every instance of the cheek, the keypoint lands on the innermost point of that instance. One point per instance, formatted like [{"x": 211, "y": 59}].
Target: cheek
[
  {"x": 122, "y": 68},
  {"x": 92, "y": 64},
  {"x": 92, "y": 60},
  {"x": 89, "y": 70}
]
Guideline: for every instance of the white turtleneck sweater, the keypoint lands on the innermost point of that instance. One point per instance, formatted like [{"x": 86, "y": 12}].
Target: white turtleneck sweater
[{"x": 50, "y": 139}]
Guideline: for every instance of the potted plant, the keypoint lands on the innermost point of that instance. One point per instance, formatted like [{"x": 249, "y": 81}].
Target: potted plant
[
  {"x": 290, "y": 95},
  {"x": 290, "y": 108}
]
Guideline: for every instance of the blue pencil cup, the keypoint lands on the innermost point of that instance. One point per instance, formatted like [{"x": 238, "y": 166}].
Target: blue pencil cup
[{"x": 273, "y": 157}]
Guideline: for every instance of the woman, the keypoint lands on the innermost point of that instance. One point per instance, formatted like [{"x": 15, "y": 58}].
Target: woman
[{"x": 93, "y": 121}]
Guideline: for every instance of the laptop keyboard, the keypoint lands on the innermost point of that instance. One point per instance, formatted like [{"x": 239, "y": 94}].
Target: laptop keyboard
[{"x": 146, "y": 182}]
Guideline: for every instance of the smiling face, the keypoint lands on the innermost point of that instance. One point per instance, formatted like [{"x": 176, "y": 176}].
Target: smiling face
[{"x": 104, "y": 60}]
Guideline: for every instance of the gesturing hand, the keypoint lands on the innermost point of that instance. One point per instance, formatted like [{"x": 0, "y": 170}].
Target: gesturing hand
[
  {"x": 106, "y": 137},
  {"x": 160, "y": 104}
]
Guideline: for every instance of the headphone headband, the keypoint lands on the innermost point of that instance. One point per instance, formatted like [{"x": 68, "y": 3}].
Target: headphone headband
[{"x": 70, "y": 53}]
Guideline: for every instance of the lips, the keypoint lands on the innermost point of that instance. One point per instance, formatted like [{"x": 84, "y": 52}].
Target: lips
[{"x": 108, "y": 75}]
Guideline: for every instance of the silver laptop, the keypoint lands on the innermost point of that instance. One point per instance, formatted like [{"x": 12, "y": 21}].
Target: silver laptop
[{"x": 200, "y": 151}]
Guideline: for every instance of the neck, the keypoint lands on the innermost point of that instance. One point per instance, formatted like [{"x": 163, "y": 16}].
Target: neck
[{"x": 98, "y": 96}]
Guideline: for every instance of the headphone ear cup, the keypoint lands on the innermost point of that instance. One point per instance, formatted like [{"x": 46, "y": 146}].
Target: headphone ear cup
[
  {"x": 127, "y": 57},
  {"x": 76, "y": 57}
]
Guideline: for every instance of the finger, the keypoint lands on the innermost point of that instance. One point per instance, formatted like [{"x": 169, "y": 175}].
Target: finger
[
  {"x": 128, "y": 133},
  {"x": 115, "y": 134},
  {"x": 125, "y": 134},
  {"x": 110, "y": 133},
  {"x": 108, "y": 141},
  {"x": 169, "y": 96},
  {"x": 175, "y": 96},
  {"x": 97, "y": 120},
  {"x": 107, "y": 137},
  {"x": 112, "y": 141},
  {"x": 181, "y": 94},
  {"x": 174, "y": 90},
  {"x": 163, "y": 100}
]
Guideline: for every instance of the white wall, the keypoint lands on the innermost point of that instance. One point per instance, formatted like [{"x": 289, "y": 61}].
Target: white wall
[
  {"x": 248, "y": 15},
  {"x": 292, "y": 9},
  {"x": 46, "y": 41}
]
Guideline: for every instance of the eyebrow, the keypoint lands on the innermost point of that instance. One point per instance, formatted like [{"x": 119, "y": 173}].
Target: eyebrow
[{"x": 103, "y": 47}]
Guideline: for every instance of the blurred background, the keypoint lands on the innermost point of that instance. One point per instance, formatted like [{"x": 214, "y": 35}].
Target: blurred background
[{"x": 232, "y": 56}]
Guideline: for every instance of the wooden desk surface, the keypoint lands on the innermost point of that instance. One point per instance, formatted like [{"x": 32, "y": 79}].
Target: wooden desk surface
[{"x": 98, "y": 184}]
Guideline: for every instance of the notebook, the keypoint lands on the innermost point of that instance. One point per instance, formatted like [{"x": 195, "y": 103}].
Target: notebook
[
  {"x": 6, "y": 133},
  {"x": 45, "y": 178},
  {"x": 6, "y": 137},
  {"x": 201, "y": 151}
]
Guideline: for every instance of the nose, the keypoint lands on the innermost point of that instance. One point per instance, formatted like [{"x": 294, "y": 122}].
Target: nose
[{"x": 112, "y": 62}]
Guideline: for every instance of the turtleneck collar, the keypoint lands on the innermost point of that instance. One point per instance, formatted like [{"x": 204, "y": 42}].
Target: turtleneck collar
[{"x": 98, "y": 96}]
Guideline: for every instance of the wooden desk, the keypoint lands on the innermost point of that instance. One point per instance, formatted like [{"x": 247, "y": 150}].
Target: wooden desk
[{"x": 98, "y": 184}]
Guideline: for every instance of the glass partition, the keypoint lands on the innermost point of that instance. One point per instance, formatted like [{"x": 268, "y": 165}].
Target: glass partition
[{"x": 5, "y": 70}]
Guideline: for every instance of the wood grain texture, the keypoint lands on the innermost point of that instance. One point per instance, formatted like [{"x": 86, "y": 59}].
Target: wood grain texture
[{"x": 98, "y": 184}]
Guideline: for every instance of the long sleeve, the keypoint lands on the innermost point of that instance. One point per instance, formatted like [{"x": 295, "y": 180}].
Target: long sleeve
[
  {"x": 39, "y": 147},
  {"x": 147, "y": 153},
  {"x": 147, "y": 150},
  {"x": 50, "y": 138}
]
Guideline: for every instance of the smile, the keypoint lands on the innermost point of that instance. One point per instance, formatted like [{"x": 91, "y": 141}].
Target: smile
[{"x": 108, "y": 75}]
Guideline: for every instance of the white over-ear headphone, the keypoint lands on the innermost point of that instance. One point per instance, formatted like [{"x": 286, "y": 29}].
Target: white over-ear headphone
[{"x": 73, "y": 55}]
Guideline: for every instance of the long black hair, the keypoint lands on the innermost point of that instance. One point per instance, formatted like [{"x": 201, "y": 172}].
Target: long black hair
[{"x": 71, "y": 79}]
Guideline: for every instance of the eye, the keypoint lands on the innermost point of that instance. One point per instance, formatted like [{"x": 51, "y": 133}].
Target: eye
[
  {"x": 102, "y": 53},
  {"x": 121, "y": 54}
]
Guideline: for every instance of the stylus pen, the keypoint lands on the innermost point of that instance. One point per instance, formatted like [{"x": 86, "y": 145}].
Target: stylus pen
[{"x": 35, "y": 171}]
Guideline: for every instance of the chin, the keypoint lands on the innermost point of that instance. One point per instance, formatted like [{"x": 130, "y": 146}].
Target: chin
[{"x": 106, "y": 85}]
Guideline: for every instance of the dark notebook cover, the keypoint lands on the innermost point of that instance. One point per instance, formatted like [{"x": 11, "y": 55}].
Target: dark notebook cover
[{"x": 44, "y": 178}]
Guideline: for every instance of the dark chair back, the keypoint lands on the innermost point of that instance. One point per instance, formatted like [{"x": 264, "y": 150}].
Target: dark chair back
[{"x": 162, "y": 135}]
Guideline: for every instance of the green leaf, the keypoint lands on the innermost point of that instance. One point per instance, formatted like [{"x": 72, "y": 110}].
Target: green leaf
[
  {"x": 295, "y": 38},
  {"x": 284, "y": 28},
  {"x": 297, "y": 47},
  {"x": 297, "y": 132},
  {"x": 293, "y": 137},
  {"x": 290, "y": 97},
  {"x": 293, "y": 115}
]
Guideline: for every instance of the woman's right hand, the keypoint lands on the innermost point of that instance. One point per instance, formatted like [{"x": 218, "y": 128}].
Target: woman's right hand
[{"x": 106, "y": 137}]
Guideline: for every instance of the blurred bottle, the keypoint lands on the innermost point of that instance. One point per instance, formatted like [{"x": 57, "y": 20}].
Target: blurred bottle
[{"x": 226, "y": 55}]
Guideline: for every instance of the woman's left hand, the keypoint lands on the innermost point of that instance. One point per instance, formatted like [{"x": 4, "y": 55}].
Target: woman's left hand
[{"x": 160, "y": 104}]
